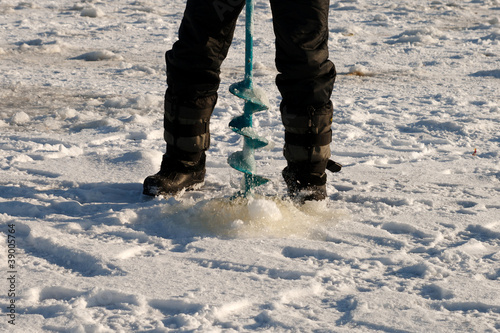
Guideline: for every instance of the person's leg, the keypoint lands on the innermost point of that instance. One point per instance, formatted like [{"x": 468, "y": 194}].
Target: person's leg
[
  {"x": 305, "y": 81},
  {"x": 193, "y": 68},
  {"x": 205, "y": 34}
]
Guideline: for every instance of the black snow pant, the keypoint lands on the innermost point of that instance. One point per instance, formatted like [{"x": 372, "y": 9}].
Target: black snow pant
[{"x": 305, "y": 78}]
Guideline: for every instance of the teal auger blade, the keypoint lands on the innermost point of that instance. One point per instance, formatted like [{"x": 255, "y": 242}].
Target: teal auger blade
[
  {"x": 242, "y": 162},
  {"x": 250, "y": 94},
  {"x": 255, "y": 141},
  {"x": 250, "y": 182},
  {"x": 255, "y": 100},
  {"x": 255, "y": 180},
  {"x": 246, "y": 164}
]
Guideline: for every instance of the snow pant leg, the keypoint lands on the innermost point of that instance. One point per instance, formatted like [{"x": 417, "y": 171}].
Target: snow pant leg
[
  {"x": 306, "y": 76},
  {"x": 205, "y": 34},
  {"x": 193, "y": 68},
  {"x": 305, "y": 81}
]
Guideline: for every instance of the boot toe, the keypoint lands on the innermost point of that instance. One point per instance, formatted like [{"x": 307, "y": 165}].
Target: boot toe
[{"x": 152, "y": 186}]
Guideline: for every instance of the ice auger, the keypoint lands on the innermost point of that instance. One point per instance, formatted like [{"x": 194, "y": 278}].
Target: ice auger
[{"x": 244, "y": 160}]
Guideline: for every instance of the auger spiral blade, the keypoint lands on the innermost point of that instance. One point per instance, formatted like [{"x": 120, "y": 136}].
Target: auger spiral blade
[
  {"x": 255, "y": 100},
  {"x": 253, "y": 140},
  {"x": 250, "y": 94},
  {"x": 246, "y": 164}
]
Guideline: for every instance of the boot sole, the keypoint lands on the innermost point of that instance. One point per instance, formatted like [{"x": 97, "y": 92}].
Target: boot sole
[{"x": 156, "y": 191}]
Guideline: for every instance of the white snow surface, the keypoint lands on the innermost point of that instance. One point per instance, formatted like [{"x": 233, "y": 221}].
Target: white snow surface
[{"x": 408, "y": 240}]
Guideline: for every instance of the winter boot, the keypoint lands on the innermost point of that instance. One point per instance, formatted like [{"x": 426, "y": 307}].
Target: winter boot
[
  {"x": 304, "y": 185},
  {"x": 175, "y": 176},
  {"x": 187, "y": 135},
  {"x": 307, "y": 150}
]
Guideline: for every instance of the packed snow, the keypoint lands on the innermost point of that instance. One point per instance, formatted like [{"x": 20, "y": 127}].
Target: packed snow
[{"x": 408, "y": 240}]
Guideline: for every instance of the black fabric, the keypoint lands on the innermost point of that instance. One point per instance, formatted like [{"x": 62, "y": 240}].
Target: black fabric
[
  {"x": 178, "y": 130},
  {"x": 297, "y": 173},
  {"x": 311, "y": 173},
  {"x": 308, "y": 134},
  {"x": 174, "y": 153},
  {"x": 187, "y": 130},
  {"x": 309, "y": 139},
  {"x": 333, "y": 166},
  {"x": 176, "y": 161},
  {"x": 199, "y": 108},
  {"x": 205, "y": 34},
  {"x": 306, "y": 76},
  {"x": 305, "y": 169}
]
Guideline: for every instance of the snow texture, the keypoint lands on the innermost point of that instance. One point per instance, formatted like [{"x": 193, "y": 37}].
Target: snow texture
[{"x": 408, "y": 240}]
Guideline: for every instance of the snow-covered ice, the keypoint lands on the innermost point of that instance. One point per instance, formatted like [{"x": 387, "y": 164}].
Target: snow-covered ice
[{"x": 409, "y": 240}]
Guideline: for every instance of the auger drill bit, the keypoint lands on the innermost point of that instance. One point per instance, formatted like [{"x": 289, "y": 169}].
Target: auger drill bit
[{"x": 244, "y": 160}]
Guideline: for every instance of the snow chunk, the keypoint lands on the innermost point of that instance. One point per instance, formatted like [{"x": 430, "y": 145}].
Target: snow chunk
[
  {"x": 38, "y": 45},
  {"x": 229, "y": 308},
  {"x": 435, "y": 292},
  {"x": 147, "y": 101},
  {"x": 67, "y": 113},
  {"x": 55, "y": 292},
  {"x": 423, "y": 270},
  {"x": 129, "y": 253},
  {"x": 98, "y": 56},
  {"x": 143, "y": 68},
  {"x": 101, "y": 297},
  {"x": 261, "y": 209},
  {"x": 65, "y": 152},
  {"x": 20, "y": 118},
  {"x": 403, "y": 228},
  {"x": 92, "y": 12},
  {"x": 127, "y": 216},
  {"x": 117, "y": 103},
  {"x": 359, "y": 70},
  {"x": 51, "y": 48},
  {"x": 380, "y": 18},
  {"x": 21, "y": 158},
  {"x": 175, "y": 306}
]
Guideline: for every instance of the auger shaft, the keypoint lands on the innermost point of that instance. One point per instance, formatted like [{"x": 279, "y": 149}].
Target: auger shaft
[
  {"x": 249, "y": 44},
  {"x": 248, "y": 152},
  {"x": 244, "y": 161}
]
